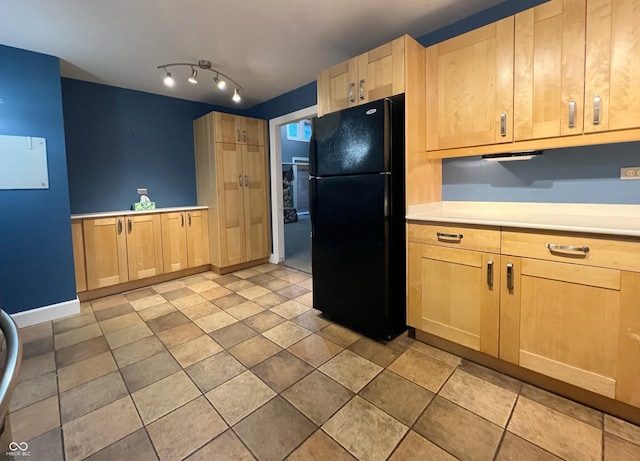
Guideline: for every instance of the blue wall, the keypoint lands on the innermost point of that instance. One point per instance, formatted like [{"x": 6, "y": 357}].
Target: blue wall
[
  {"x": 292, "y": 149},
  {"x": 299, "y": 98},
  {"x": 119, "y": 140},
  {"x": 36, "y": 256}
]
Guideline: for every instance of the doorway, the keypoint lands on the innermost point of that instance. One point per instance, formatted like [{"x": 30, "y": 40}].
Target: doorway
[{"x": 291, "y": 241}]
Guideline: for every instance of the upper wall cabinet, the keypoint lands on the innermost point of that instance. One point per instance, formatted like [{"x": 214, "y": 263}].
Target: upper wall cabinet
[
  {"x": 469, "y": 85},
  {"x": 549, "y": 70},
  {"x": 373, "y": 75},
  {"x": 234, "y": 129}
]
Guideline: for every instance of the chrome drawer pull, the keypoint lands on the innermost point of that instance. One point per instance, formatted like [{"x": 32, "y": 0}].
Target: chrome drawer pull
[
  {"x": 351, "y": 85},
  {"x": 554, "y": 247},
  {"x": 572, "y": 113},
  {"x": 361, "y": 90},
  {"x": 442, "y": 235},
  {"x": 510, "y": 276},
  {"x": 490, "y": 273},
  {"x": 596, "y": 110},
  {"x": 503, "y": 124}
]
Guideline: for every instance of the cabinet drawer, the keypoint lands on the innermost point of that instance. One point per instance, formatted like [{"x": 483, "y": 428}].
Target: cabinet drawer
[
  {"x": 614, "y": 252},
  {"x": 468, "y": 237}
]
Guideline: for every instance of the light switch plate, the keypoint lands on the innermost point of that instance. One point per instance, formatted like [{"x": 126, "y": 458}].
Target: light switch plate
[
  {"x": 142, "y": 191},
  {"x": 630, "y": 172}
]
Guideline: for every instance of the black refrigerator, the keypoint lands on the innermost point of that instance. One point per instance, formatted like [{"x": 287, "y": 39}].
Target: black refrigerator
[{"x": 356, "y": 187}]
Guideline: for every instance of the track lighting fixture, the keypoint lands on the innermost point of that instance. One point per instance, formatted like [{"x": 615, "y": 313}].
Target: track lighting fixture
[{"x": 220, "y": 79}]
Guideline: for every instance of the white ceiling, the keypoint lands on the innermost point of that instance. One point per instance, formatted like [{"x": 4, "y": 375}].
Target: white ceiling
[{"x": 268, "y": 46}]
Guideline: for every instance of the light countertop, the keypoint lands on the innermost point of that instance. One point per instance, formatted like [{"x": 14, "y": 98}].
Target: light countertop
[
  {"x": 107, "y": 214},
  {"x": 571, "y": 217}
]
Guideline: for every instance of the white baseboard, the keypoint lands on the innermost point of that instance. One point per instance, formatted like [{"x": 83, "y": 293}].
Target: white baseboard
[
  {"x": 273, "y": 258},
  {"x": 47, "y": 313}
]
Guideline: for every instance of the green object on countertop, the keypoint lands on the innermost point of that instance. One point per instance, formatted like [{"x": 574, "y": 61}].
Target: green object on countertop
[{"x": 144, "y": 206}]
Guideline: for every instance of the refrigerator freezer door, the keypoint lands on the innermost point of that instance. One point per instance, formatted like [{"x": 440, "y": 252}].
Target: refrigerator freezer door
[
  {"x": 350, "y": 249},
  {"x": 351, "y": 141}
]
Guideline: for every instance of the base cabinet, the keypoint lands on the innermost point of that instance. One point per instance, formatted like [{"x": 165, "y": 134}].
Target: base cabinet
[
  {"x": 144, "y": 246},
  {"x": 105, "y": 249},
  {"x": 185, "y": 240}
]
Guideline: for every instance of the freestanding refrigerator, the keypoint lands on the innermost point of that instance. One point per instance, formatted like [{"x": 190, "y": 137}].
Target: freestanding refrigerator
[{"x": 356, "y": 187}]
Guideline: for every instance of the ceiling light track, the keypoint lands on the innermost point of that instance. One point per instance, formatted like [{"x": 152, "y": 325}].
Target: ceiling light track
[{"x": 220, "y": 79}]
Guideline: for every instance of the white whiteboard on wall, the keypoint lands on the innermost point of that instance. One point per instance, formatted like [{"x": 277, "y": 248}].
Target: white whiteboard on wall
[{"x": 23, "y": 162}]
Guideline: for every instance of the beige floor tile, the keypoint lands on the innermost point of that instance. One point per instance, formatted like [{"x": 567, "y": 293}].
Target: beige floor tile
[
  {"x": 38, "y": 365},
  {"x": 35, "y": 420},
  {"x": 73, "y": 322},
  {"x": 286, "y": 334},
  {"x": 193, "y": 279},
  {"x": 340, "y": 335},
  {"x": 458, "y": 431},
  {"x": 200, "y": 310},
  {"x": 147, "y": 302},
  {"x": 260, "y": 278},
  {"x": 226, "y": 447},
  {"x": 245, "y": 310},
  {"x": 264, "y": 321},
  {"x": 185, "y": 430},
  {"x": 239, "y": 396},
  {"x": 149, "y": 370},
  {"x": 191, "y": 300},
  {"x": 239, "y": 285},
  {"x": 48, "y": 446},
  {"x": 306, "y": 299},
  {"x": 513, "y": 448},
  {"x": 566, "y": 406},
  {"x": 436, "y": 353},
  {"x": 118, "y": 323},
  {"x": 100, "y": 428},
  {"x": 292, "y": 291},
  {"x": 276, "y": 284},
  {"x": 422, "y": 369},
  {"x": 115, "y": 311},
  {"x": 215, "y": 293},
  {"x": 267, "y": 267},
  {"x": 270, "y": 300},
  {"x": 247, "y": 273},
  {"x": 491, "y": 376},
  {"x": 233, "y": 334},
  {"x": 90, "y": 396},
  {"x": 281, "y": 370},
  {"x": 164, "y": 396},
  {"x": 81, "y": 351},
  {"x": 320, "y": 446},
  {"x": 616, "y": 449},
  {"x": 37, "y": 347},
  {"x": 287, "y": 429},
  {"x": 295, "y": 278},
  {"x": 156, "y": 311},
  {"x": 168, "y": 286},
  {"x": 479, "y": 396},
  {"x": 33, "y": 390},
  {"x": 175, "y": 319},
  {"x": 282, "y": 271},
  {"x": 215, "y": 370},
  {"x": 254, "y": 350},
  {"x": 351, "y": 370},
  {"x": 311, "y": 320},
  {"x": 138, "y": 442},
  {"x": 624, "y": 430},
  {"x": 205, "y": 285},
  {"x": 177, "y": 293},
  {"x": 254, "y": 292},
  {"x": 85, "y": 371},
  {"x": 555, "y": 432},
  {"x": 377, "y": 352},
  {"x": 315, "y": 350},
  {"x": 414, "y": 446},
  {"x": 85, "y": 307},
  {"x": 215, "y": 321},
  {"x": 128, "y": 335},
  {"x": 290, "y": 309},
  {"x": 364, "y": 430},
  {"x": 71, "y": 337},
  {"x": 230, "y": 300},
  {"x": 35, "y": 332},
  {"x": 195, "y": 350},
  {"x": 179, "y": 335},
  {"x": 139, "y": 293},
  {"x": 139, "y": 350},
  {"x": 107, "y": 302},
  {"x": 306, "y": 283}
]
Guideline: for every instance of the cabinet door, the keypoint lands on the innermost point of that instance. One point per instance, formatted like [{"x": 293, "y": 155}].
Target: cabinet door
[
  {"x": 256, "y": 203},
  {"x": 78, "y": 255},
  {"x": 454, "y": 294},
  {"x": 566, "y": 323},
  {"x": 469, "y": 83},
  {"x": 549, "y": 70},
  {"x": 105, "y": 249},
  {"x": 144, "y": 246},
  {"x": 381, "y": 72},
  {"x": 228, "y": 128},
  {"x": 612, "y": 71},
  {"x": 337, "y": 87},
  {"x": 254, "y": 132},
  {"x": 174, "y": 241},
  {"x": 197, "y": 238},
  {"x": 230, "y": 185}
]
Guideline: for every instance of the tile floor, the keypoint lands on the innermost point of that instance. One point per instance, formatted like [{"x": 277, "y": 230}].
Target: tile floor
[{"x": 240, "y": 367}]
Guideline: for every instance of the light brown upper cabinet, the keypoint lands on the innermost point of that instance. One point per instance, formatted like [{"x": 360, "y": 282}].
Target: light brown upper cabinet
[
  {"x": 370, "y": 76},
  {"x": 232, "y": 179},
  {"x": 549, "y": 70},
  {"x": 469, "y": 86}
]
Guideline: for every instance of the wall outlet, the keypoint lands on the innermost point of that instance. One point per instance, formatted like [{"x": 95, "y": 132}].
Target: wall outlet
[
  {"x": 630, "y": 172},
  {"x": 142, "y": 191}
]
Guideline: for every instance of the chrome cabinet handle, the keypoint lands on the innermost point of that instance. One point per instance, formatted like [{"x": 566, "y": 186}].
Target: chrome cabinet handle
[
  {"x": 597, "y": 102},
  {"x": 361, "y": 90},
  {"x": 244, "y": 135},
  {"x": 442, "y": 235},
  {"x": 182, "y": 219},
  {"x": 503, "y": 124},
  {"x": 510, "y": 276},
  {"x": 189, "y": 215},
  {"x": 129, "y": 225},
  {"x": 490, "y": 273},
  {"x": 351, "y": 85},
  {"x": 119, "y": 226},
  {"x": 240, "y": 180},
  {"x": 572, "y": 113},
  {"x": 553, "y": 247},
  {"x": 238, "y": 135},
  {"x": 246, "y": 181}
]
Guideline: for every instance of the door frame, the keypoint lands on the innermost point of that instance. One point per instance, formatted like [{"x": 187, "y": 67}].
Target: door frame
[{"x": 275, "y": 165}]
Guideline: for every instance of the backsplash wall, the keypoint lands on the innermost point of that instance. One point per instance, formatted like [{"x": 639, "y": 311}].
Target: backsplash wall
[{"x": 589, "y": 174}]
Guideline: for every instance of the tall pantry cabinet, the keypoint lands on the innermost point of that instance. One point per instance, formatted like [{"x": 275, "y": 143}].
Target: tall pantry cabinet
[{"x": 232, "y": 180}]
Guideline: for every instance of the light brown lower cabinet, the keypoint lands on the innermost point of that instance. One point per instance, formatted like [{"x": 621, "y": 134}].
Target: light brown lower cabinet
[
  {"x": 78, "y": 255},
  {"x": 553, "y": 310},
  {"x": 185, "y": 239},
  {"x": 105, "y": 250}
]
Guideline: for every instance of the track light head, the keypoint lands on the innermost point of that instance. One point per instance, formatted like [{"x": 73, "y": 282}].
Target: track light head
[
  {"x": 194, "y": 74},
  {"x": 219, "y": 79},
  {"x": 236, "y": 96},
  {"x": 168, "y": 80},
  {"x": 221, "y": 83}
]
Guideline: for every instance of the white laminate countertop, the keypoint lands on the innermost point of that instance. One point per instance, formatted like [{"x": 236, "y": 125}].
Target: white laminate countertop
[
  {"x": 572, "y": 217},
  {"x": 106, "y": 214}
]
